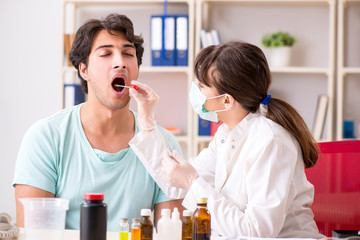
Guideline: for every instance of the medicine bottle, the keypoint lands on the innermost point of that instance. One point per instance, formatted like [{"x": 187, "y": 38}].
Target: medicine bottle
[
  {"x": 146, "y": 225},
  {"x": 201, "y": 221},
  {"x": 187, "y": 225},
  {"x": 164, "y": 226},
  {"x": 124, "y": 229},
  {"x": 93, "y": 217},
  {"x": 135, "y": 229},
  {"x": 177, "y": 224}
]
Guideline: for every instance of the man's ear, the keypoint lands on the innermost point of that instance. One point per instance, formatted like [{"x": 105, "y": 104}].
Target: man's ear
[
  {"x": 229, "y": 101},
  {"x": 83, "y": 71}
]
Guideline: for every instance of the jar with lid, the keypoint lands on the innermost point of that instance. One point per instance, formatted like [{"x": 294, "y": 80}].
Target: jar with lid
[
  {"x": 201, "y": 221},
  {"x": 187, "y": 225},
  {"x": 93, "y": 217},
  {"x": 135, "y": 229},
  {"x": 124, "y": 229},
  {"x": 146, "y": 225}
]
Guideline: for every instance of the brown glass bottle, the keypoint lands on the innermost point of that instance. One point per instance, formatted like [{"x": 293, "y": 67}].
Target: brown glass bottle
[
  {"x": 186, "y": 225},
  {"x": 201, "y": 221},
  {"x": 146, "y": 225}
]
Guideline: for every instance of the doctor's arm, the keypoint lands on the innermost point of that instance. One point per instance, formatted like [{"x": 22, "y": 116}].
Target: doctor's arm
[{"x": 267, "y": 184}]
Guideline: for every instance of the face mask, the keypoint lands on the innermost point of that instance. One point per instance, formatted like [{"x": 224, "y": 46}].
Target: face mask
[{"x": 197, "y": 100}]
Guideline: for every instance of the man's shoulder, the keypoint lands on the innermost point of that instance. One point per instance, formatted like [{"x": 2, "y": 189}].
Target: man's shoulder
[{"x": 57, "y": 121}]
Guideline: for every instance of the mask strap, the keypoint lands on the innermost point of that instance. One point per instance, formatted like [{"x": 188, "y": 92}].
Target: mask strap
[{"x": 216, "y": 96}]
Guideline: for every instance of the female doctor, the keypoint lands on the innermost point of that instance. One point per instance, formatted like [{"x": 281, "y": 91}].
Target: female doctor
[{"x": 253, "y": 170}]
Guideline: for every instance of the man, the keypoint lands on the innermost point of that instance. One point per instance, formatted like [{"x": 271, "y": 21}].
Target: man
[{"x": 85, "y": 148}]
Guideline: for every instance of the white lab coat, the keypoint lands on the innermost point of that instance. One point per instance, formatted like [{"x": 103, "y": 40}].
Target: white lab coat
[{"x": 253, "y": 177}]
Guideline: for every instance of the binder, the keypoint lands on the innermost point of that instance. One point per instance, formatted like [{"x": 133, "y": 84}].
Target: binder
[
  {"x": 215, "y": 36},
  {"x": 182, "y": 40},
  {"x": 168, "y": 56},
  {"x": 204, "y": 127},
  {"x": 156, "y": 30},
  {"x": 73, "y": 95},
  {"x": 203, "y": 38}
]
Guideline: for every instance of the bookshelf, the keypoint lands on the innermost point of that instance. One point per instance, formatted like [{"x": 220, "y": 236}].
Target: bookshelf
[
  {"x": 171, "y": 110},
  {"x": 348, "y": 66},
  {"x": 312, "y": 72}
]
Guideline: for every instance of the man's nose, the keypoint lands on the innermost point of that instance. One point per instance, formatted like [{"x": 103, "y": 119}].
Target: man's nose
[{"x": 119, "y": 62}]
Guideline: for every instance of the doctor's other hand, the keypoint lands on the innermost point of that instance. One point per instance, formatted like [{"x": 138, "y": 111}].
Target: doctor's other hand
[
  {"x": 178, "y": 172},
  {"x": 146, "y": 100}
]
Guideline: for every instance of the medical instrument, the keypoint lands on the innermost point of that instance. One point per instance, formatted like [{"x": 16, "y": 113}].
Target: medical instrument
[
  {"x": 131, "y": 86},
  {"x": 201, "y": 221},
  {"x": 168, "y": 146}
]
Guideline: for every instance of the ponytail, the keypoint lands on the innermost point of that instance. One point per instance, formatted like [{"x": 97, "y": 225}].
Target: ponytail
[{"x": 285, "y": 115}]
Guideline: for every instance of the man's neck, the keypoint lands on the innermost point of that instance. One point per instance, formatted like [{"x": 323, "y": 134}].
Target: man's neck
[{"x": 107, "y": 129}]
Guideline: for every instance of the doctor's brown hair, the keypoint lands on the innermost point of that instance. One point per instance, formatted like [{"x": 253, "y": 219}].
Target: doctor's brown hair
[
  {"x": 114, "y": 23},
  {"x": 241, "y": 70}
]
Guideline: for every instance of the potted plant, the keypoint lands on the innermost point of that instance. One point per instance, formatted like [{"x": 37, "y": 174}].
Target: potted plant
[{"x": 279, "y": 44}]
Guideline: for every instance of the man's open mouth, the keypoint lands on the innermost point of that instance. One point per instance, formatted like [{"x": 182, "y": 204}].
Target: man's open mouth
[{"x": 118, "y": 84}]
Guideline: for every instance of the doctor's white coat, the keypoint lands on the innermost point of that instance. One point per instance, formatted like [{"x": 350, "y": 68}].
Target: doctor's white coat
[{"x": 253, "y": 177}]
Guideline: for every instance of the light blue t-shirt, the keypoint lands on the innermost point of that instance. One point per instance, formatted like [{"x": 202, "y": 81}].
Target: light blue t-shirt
[{"x": 56, "y": 156}]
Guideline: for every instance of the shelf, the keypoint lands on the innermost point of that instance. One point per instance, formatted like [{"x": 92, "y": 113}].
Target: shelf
[
  {"x": 304, "y": 70},
  {"x": 148, "y": 69},
  {"x": 351, "y": 70},
  {"x": 170, "y": 69},
  {"x": 204, "y": 138},
  {"x": 262, "y": 2},
  {"x": 121, "y": 2},
  {"x": 182, "y": 138}
]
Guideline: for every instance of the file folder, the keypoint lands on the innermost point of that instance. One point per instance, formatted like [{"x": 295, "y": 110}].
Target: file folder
[
  {"x": 182, "y": 40},
  {"x": 168, "y": 56},
  {"x": 156, "y": 30},
  {"x": 204, "y": 127},
  {"x": 73, "y": 95},
  {"x": 215, "y": 36}
]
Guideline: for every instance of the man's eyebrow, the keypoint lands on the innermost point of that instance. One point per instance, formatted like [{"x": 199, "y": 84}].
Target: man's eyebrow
[
  {"x": 104, "y": 46},
  {"x": 128, "y": 46},
  {"x": 111, "y": 46}
]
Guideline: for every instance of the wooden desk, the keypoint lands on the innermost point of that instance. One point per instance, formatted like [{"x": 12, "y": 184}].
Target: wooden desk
[{"x": 75, "y": 235}]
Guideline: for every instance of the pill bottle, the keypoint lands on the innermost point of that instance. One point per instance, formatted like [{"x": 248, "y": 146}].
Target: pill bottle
[
  {"x": 124, "y": 229},
  {"x": 146, "y": 225},
  {"x": 135, "y": 229},
  {"x": 93, "y": 217},
  {"x": 186, "y": 225},
  {"x": 201, "y": 221}
]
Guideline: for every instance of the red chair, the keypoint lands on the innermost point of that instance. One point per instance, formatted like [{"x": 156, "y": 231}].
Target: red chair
[{"x": 336, "y": 178}]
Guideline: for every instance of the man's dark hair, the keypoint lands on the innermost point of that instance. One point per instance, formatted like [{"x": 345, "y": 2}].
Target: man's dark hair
[{"x": 113, "y": 23}]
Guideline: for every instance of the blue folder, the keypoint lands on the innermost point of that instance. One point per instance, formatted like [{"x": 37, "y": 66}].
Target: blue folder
[
  {"x": 156, "y": 30},
  {"x": 182, "y": 37},
  {"x": 168, "y": 56}
]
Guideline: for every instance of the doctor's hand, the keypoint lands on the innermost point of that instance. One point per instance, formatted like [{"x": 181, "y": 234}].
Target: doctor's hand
[
  {"x": 146, "y": 100},
  {"x": 177, "y": 171}
]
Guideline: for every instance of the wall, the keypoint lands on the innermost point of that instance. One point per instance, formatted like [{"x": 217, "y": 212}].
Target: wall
[
  {"x": 29, "y": 78},
  {"x": 30, "y": 50}
]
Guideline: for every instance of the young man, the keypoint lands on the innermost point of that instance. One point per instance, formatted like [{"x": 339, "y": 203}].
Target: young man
[{"x": 85, "y": 148}]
